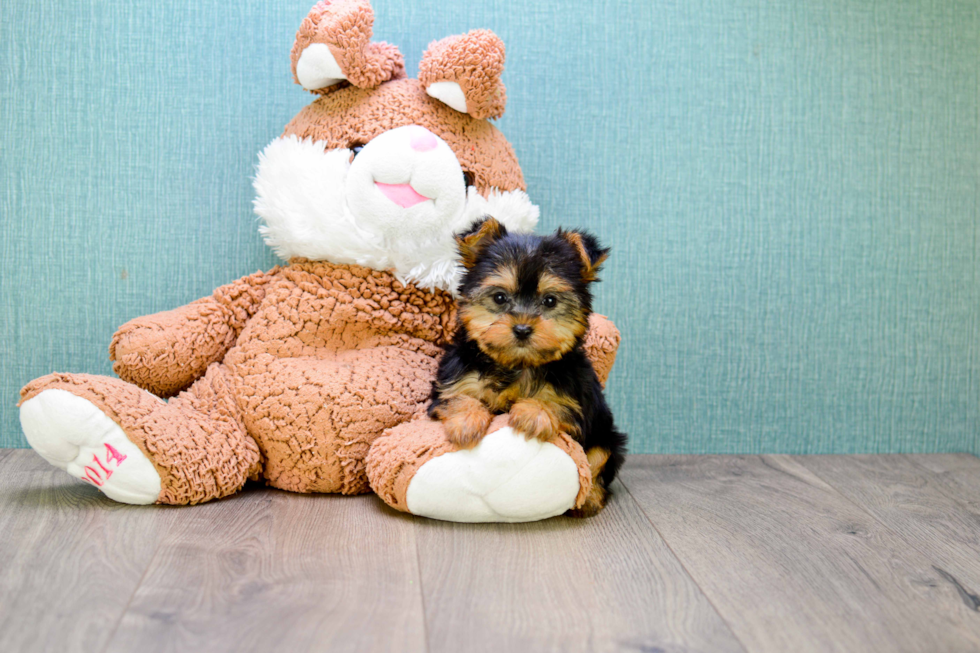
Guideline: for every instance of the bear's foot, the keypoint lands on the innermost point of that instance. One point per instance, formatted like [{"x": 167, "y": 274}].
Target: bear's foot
[
  {"x": 98, "y": 429},
  {"x": 505, "y": 478},
  {"x": 72, "y": 434}
]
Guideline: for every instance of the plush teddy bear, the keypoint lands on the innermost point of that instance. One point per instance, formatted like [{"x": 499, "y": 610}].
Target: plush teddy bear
[{"x": 314, "y": 376}]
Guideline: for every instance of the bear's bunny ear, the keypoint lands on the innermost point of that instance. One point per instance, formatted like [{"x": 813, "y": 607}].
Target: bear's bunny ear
[
  {"x": 333, "y": 44},
  {"x": 464, "y": 72}
]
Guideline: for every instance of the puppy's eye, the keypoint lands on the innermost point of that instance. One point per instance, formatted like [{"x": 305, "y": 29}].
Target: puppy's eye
[
  {"x": 468, "y": 179},
  {"x": 500, "y": 298},
  {"x": 549, "y": 301},
  {"x": 355, "y": 149}
]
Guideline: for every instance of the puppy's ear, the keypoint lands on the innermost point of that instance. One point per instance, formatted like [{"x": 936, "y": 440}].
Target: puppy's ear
[
  {"x": 481, "y": 234},
  {"x": 592, "y": 254}
]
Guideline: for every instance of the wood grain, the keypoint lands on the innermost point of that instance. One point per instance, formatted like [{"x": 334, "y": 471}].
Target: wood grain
[
  {"x": 911, "y": 502},
  {"x": 776, "y": 553},
  {"x": 23, "y": 460},
  {"x": 957, "y": 475},
  {"x": 792, "y": 565},
  {"x": 948, "y": 462},
  {"x": 71, "y": 558},
  {"x": 268, "y": 570},
  {"x": 603, "y": 584}
]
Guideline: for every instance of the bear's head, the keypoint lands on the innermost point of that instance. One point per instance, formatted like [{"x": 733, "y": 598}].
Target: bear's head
[{"x": 381, "y": 170}]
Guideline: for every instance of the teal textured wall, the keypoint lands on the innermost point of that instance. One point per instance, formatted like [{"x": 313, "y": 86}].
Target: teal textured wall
[{"x": 792, "y": 191}]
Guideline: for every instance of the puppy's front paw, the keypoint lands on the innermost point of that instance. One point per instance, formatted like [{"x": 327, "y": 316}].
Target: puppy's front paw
[
  {"x": 466, "y": 422},
  {"x": 534, "y": 420}
]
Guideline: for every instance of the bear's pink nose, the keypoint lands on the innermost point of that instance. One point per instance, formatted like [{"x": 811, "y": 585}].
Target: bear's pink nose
[{"x": 423, "y": 140}]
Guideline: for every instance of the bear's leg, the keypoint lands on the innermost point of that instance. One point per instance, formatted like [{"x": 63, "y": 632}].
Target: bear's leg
[
  {"x": 137, "y": 448},
  {"x": 507, "y": 477}
]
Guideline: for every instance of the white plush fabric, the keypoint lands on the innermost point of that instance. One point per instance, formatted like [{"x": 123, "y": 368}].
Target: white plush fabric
[
  {"x": 317, "y": 204},
  {"x": 434, "y": 173},
  {"x": 317, "y": 68},
  {"x": 71, "y": 434},
  {"x": 448, "y": 93},
  {"x": 505, "y": 478}
]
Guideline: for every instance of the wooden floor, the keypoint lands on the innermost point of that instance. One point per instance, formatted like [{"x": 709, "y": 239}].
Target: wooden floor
[{"x": 695, "y": 553}]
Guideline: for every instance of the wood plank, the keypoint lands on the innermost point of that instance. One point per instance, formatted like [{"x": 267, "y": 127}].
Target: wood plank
[
  {"x": 957, "y": 475},
  {"x": 947, "y": 462},
  {"x": 601, "y": 584},
  {"x": 910, "y": 500},
  {"x": 23, "y": 460},
  {"x": 268, "y": 570},
  {"x": 71, "y": 559},
  {"x": 792, "y": 565}
]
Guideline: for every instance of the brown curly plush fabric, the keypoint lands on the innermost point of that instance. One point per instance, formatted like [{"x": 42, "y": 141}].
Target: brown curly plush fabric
[
  {"x": 335, "y": 355},
  {"x": 601, "y": 344},
  {"x": 165, "y": 352},
  {"x": 399, "y": 453},
  {"x": 475, "y": 61},
  {"x": 290, "y": 375},
  {"x": 344, "y": 26},
  {"x": 196, "y": 442},
  {"x": 321, "y": 360},
  {"x": 352, "y": 116},
  {"x": 331, "y": 356}
]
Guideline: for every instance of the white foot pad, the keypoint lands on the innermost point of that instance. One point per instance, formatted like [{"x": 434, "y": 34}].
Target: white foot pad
[
  {"x": 505, "y": 478},
  {"x": 72, "y": 434}
]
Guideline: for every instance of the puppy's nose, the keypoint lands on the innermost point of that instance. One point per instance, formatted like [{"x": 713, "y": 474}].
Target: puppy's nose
[{"x": 523, "y": 331}]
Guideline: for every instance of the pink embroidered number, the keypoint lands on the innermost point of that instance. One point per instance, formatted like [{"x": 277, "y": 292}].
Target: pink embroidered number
[
  {"x": 93, "y": 475},
  {"x": 113, "y": 455}
]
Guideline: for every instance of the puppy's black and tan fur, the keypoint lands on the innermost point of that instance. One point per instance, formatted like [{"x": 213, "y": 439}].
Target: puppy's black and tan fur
[{"x": 523, "y": 314}]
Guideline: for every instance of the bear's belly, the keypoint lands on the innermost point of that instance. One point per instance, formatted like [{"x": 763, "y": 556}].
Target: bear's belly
[
  {"x": 333, "y": 356},
  {"x": 315, "y": 417}
]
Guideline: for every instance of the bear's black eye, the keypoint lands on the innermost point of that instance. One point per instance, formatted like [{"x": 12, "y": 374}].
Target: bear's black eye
[
  {"x": 468, "y": 179},
  {"x": 355, "y": 149},
  {"x": 500, "y": 298},
  {"x": 549, "y": 301}
]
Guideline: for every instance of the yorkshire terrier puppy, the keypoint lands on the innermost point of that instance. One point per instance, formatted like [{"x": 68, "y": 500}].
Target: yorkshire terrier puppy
[{"x": 523, "y": 314}]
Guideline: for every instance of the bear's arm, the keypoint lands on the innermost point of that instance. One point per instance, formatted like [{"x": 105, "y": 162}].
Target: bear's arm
[
  {"x": 601, "y": 344},
  {"x": 166, "y": 352}
]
